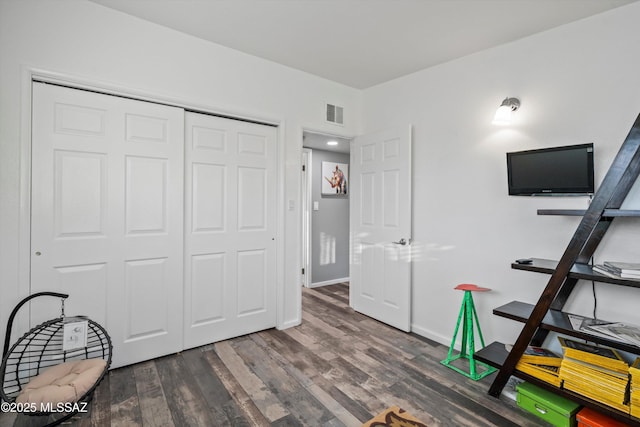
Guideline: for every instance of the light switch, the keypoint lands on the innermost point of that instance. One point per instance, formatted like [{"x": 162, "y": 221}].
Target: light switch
[{"x": 316, "y": 206}]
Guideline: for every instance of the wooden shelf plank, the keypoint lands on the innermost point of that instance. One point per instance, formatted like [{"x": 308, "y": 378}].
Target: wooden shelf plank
[
  {"x": 558, "y": 321},
  {"x": 578, "y": 271},
  {"x": 495, "y": 354},
  {"x": 621, "y": 212},
  {"x": 562, "y": 212},
  {"x": 581, "y": 212}
]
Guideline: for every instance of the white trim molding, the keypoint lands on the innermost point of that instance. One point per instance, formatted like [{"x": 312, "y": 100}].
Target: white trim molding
[{"x": 329, "y": 282}]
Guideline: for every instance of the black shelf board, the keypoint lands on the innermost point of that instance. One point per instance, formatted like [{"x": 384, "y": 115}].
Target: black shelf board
[
  {"x": 581, "y": 212},
  {"x": 558, "y": 321},
  {"x": 495, "y": 354},
  {"x": 578, "y": 271}
]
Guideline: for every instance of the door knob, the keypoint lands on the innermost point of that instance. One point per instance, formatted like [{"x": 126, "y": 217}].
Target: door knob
[
  {"x": 401, "y": 242},
  {"x": 38, "y": 253}
]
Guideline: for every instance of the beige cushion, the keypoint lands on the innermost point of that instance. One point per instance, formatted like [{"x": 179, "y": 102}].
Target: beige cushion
[{"x": 62, "y": 383}]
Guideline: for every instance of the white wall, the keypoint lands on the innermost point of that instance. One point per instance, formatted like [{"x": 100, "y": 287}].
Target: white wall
[
  {"x": 84, "y": 40},
  {"x": 578, "y": 83}
]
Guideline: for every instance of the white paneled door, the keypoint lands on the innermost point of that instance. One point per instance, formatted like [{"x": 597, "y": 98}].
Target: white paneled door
[
  {"x": 230, "y": 229},
  {"x": 107, "y": 216},
  {"x": 380, "y": 222}
]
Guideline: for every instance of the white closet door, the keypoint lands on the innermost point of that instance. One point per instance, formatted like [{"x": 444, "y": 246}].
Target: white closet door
[
  {"x": 230, "y": 276},
  {"x": 107, "y": 216}
]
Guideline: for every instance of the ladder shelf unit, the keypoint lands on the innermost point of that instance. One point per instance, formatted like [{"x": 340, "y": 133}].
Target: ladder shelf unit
[{"x": 546, "y": 315}]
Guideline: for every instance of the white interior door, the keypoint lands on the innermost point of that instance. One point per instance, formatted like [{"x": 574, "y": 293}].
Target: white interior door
[
  {"x": 380, "y": 222},
  {"x": 107, "y": 216},
  {"x": 230, "y": 228}
]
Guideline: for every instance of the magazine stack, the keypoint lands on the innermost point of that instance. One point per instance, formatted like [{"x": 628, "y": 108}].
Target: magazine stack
[
  {"x": 634, "y": 403},
  {"x": 598, "y": 373},
  {"x": 541, "y": 363},
  {"x": 619, "y": 331},
  {"x": 625, "y": 270}
]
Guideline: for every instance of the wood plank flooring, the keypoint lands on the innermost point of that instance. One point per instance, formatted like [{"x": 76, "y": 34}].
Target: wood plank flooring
[{"x": 338, "y": 368}]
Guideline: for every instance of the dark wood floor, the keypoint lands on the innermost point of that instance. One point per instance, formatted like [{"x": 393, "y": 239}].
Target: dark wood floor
[{"x": 339, "y": 368}]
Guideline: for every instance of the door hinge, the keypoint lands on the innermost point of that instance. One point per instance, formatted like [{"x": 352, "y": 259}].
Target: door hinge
[
  {"x": 303, "y": 271},
  {"x": 304, "y": 168}
]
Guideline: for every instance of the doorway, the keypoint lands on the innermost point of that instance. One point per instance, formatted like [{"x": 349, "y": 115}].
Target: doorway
[{"x": 325, "y": 209}]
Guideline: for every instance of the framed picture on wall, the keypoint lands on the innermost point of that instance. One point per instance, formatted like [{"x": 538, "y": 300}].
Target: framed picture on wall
[{"x": 334, "y": 178}]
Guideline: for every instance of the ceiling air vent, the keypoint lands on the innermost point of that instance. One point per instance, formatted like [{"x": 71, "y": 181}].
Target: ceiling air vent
[{"x": 335, "y": 114}]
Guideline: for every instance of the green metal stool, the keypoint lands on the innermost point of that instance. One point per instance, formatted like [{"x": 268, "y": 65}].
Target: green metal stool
[{"x": 467, "y": 316}]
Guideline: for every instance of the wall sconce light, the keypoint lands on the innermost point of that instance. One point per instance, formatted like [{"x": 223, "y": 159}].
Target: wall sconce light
[{"x": 504, "y": 113}]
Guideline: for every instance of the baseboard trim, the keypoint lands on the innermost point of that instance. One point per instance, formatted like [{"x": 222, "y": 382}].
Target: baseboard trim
[
  {"x": 430, "y": 335},
  {"x": 329, "y": 282}
]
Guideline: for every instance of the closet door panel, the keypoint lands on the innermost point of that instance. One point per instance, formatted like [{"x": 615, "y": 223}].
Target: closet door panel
[
  {"x": 230, "y": 287},
  {"x": 107, "y": 216}
]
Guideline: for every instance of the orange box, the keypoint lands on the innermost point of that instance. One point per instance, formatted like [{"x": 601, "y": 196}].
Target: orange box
[{"x": 589, "y": 418}]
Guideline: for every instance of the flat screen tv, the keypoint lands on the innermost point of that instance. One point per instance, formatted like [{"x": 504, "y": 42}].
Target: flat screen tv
[{"x": 564, "y": 171}]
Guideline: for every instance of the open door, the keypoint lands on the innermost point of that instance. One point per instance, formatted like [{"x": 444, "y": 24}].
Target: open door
[{"x": 380, "y": 262}]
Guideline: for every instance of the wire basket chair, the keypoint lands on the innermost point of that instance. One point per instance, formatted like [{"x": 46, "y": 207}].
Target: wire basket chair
[{"x": 43, "y": 348}]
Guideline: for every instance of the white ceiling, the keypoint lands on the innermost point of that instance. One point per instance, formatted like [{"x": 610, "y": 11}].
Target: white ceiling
[
  {"x": 361, "y": 43},
  {"x": 317, "y": 141}
]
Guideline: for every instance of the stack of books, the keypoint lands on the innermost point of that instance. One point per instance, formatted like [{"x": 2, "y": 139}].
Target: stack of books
[
  {"x": 634, "y": 386},
  {"x": 541, "y": 363},
  {"x": 625, "y": 270},
  {"x": 598, "y": 373}
]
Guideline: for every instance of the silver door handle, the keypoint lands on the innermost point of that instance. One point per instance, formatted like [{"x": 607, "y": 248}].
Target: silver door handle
[{"x": 401, "y": 242}]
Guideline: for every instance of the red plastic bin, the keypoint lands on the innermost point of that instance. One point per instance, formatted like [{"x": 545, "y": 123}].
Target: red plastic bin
[{"x": 589, "y": 418}]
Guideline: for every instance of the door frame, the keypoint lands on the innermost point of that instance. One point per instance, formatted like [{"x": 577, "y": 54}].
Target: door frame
[
  {"x": 306, "y": 201},
  {"x": 306, "y": 210},
  {"x": 31, "y": 74}
]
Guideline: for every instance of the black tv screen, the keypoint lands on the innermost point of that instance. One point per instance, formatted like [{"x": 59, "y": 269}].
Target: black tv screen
[{"x": 564, "y": 170}]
